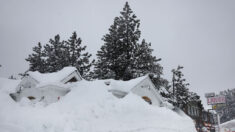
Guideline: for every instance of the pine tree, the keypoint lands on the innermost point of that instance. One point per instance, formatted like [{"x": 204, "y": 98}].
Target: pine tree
[
  {"x": 75, "y": 56},
  {"x": 227, "y": 110},
  {"x": 36, "y": 59},
  {"x": 54, "y": 55},
  {"x": 180, "y": 91},
  {"x": 122, "y": 57},
  {"x": 57, "y": 54},
  {"x": 162, "y": 85},
  {"x": 194, "y": 97},
  {"x": 144, "y": 62}
]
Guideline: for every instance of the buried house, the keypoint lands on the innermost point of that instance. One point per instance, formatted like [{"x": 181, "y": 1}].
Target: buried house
[
  {"x": 142, "y": 86},
  {"x": 46, "y": 87}
]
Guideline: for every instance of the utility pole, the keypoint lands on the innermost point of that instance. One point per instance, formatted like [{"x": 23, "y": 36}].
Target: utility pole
[
  {"x": 173, "y": 84},
  {"x": 218, "y": 118}
]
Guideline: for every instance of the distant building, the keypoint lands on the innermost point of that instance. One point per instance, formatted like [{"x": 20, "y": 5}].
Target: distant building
[
  {"x": 201, "y": 117},
  {"x": 226, "y": 109}
]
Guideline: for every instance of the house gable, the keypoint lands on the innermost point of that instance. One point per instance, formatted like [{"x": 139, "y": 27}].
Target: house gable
[
  {"x": 73, "y": 77},
  {"x": 142, "y": 86},
  {"x": 27, "y": 82},
  {"x": 146, "y": 88}
]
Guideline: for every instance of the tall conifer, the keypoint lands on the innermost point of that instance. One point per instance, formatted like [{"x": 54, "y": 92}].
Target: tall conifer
[
  {"x": 122, "y": 57},
  {"x": 181, "y": 93}
]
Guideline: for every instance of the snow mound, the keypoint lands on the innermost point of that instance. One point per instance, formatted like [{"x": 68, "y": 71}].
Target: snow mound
[
  {"x": 8, "y": 85},
  {"x": 89, "y": 107},
  {"x": 229, "y": 125}
]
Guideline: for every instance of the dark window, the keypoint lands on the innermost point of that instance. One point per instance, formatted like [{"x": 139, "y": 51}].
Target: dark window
[
  {"x": 31, "y": 97},
  {"x": 72, "y": 80}
]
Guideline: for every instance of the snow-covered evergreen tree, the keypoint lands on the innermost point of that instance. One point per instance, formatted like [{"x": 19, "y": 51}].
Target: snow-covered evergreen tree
[
  {"x": 162, "y": 86},
  {"x": 144, "y": 61},
  {"x": 36, "y": 60},
  {"x": 58, "y": 54},
  {"x": 122, "y": 57},
  {"x": 227, "y": 110},
  {"x": 75, "y": 55},
  {"x": 194, "y": 97},
  {"x": 180, "y": 91},
  {"x": 54, "y": 55}
]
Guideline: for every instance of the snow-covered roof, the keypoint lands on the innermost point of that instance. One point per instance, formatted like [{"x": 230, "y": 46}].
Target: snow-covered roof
[
  {"x": 125, "y": 86},
  {"x": 52, "y": 77}
]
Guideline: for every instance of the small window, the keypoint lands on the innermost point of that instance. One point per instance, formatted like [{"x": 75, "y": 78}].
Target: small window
[
  {"x": 31, "y": 98},
  {"x": 72, "y": 80},
  {"x": 147, "y": 99}
]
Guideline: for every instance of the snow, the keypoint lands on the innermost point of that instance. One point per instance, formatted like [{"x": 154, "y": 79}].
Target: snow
[
  {"x": 88, "y": 107},
  {"x": 8, "y": 85},
  {"x": 59, "y": 85},
  {"x": 163, "y": 90},
  {"x": 230, "y": 125},
  {"x": 124, "y": 86},
  {"x": 52, "y": 77}
]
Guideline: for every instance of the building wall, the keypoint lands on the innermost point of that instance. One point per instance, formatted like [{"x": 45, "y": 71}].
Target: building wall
[
  {"x": 146, "y": 88},
  {"x": 47, "y": 94}
]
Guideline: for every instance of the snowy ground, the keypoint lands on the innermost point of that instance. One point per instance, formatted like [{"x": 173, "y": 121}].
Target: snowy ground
[
  {"x": 228, "y": 126},
  {"x": 89, "y": 107}
]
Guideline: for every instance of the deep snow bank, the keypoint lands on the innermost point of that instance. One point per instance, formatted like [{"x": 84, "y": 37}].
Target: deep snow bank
[
  {"x": 8, "y": 85},
  {"x": 89, "y": 107},
  {"x": 230, "y": 125}
]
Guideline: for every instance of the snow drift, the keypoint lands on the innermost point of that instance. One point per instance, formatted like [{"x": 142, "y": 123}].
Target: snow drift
[
  {"x": 88, "y": 107},
  {"x": 228, "y": 126}
]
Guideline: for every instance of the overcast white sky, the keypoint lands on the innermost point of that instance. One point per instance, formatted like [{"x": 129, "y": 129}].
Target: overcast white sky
[{"x": 197, "y": 34}]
